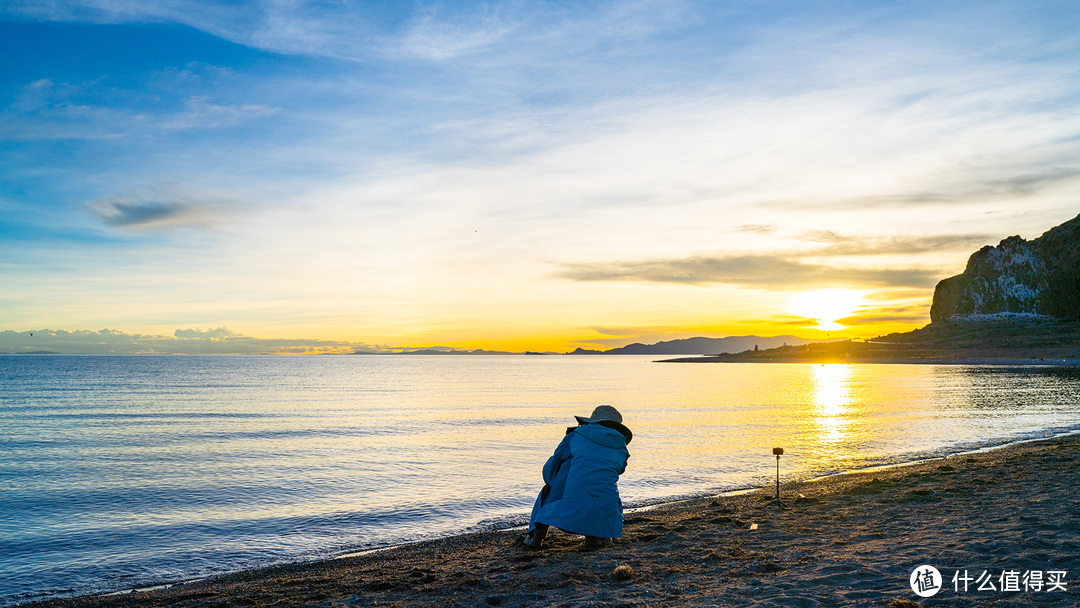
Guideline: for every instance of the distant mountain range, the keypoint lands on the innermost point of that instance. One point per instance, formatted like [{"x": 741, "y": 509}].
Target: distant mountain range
[
  {"x": 687, "y": 346},
  {"x": 699, "y": 346}
]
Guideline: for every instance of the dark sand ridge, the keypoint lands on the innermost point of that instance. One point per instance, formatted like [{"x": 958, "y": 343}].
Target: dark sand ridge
[{"x": 852, "y": 541}]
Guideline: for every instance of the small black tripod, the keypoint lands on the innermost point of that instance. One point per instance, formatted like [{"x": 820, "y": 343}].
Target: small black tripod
[{"x": 778, "y": 452}]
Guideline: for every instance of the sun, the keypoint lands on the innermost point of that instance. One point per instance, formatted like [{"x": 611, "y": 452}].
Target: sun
[{"x": 826, "y": 306}]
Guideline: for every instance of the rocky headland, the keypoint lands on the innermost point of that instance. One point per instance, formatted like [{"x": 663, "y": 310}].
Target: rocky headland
[{"x": 1018, "y": 277}]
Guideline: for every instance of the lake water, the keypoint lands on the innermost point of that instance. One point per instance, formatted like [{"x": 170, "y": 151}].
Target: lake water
[{"x": 124, "y": 471}]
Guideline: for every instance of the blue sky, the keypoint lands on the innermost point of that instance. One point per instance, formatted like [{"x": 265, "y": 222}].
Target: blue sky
[{"x": 518, "y": 175}]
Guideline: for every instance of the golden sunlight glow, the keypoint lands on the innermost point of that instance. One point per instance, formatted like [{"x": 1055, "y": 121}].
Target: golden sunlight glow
[
  {"x": 832, "y": 398},
  {"x": 826, "y": 306}
]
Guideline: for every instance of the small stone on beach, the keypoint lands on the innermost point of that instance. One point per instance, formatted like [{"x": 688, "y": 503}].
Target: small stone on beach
[{"x": 622, "y": 573}]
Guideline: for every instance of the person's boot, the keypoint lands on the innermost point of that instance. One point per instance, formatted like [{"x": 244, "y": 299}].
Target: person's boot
[{"x": 535, "y": 539}]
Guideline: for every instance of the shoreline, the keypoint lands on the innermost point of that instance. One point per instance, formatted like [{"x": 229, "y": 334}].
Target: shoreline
[
  {"x": 703, "y": 551},
  {"x": 643, "y": 506}
]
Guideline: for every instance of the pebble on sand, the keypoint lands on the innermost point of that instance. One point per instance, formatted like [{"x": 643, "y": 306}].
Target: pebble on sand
[{"x": 622, "y": 573}]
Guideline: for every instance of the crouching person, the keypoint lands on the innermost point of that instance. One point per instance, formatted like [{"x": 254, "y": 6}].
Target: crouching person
[{"x": 581, "y": 491}]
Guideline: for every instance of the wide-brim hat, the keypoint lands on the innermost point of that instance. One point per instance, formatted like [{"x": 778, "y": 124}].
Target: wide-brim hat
[{"x": 605, "y": 415}]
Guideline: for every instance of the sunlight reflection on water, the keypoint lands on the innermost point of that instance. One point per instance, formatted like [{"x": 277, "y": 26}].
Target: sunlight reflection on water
[{"x": 832, "y": 402}]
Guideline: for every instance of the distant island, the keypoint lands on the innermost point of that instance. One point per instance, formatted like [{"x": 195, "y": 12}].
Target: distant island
[
  {"x": 1018, "y": 302},
  {"x": 700, "y": 346}
]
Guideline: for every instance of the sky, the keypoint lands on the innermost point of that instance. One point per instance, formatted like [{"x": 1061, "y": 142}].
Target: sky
[{"x": 291, "y": 176}]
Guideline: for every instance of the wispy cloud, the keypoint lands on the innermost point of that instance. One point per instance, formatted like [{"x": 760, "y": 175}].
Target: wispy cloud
[
  {"x": 431, "y": 37},
  {"x": 756, "y": 229},
  {"x": 768, "y": 271},
  {"x": 782, "y": 268},
  {"x": 889, "y": 314},
  {"x": 790, "y": 321},
  {"x": 204, "y": 112},
  {"x": 974, "y": 189},
  {"x": 838, "y": 245},
  {"x": 161, "y": 207},
  {"x": 353, "y": 30},
  {"x": 46, "y": 109}
]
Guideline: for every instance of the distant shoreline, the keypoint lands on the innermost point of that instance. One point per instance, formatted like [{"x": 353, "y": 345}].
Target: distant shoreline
[
  {"x": 1000, "y": 361},
  {"x": 1005, "y": 342}
]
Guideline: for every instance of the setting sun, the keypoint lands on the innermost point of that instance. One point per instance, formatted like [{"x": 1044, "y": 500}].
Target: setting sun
[{"x": 826, "y": 306}]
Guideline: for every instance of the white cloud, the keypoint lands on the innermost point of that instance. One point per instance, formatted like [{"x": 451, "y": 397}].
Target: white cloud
[
  {"x": 430, "y": 37},
  {"x": 203, "y": 112}
]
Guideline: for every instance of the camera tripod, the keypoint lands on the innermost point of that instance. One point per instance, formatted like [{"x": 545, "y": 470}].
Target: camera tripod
[{"x": 777, "y": 501}]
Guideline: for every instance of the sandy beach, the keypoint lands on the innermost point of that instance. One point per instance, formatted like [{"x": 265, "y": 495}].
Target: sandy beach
[{"x": 847, "y": 540}]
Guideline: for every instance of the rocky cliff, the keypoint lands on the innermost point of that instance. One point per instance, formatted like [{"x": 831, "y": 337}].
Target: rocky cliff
[{"x": 1040, "y": 277}]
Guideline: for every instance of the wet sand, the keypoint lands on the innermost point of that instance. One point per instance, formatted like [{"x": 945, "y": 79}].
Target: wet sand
[{"x": 849, "y": 540}]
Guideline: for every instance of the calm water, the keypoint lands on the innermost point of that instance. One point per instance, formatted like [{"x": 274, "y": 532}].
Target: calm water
[{"x": 122, "y": 471}]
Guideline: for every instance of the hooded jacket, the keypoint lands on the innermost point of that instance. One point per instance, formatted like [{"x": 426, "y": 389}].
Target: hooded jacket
[{"x": 582, "y": 475}]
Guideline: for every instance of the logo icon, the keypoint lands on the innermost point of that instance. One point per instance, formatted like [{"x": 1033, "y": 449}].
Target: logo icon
[{"x": 925, "y": 581}]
